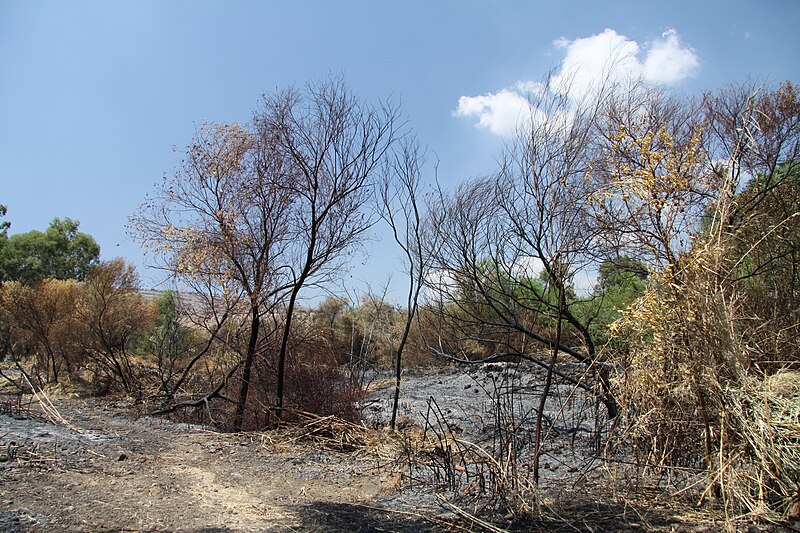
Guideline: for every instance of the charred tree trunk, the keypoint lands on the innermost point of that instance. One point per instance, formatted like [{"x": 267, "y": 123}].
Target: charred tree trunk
[
  {"x": 244, "y": 388},
  {"x": 547, "y": 383}
]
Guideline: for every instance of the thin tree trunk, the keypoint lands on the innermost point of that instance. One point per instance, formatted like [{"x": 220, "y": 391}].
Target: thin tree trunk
[
  {"x": 244, "y": 388},
  {"x": 548, "y": 382},
  {"x": 399, "y": 367},
  {"x": 287, "y": 327}
]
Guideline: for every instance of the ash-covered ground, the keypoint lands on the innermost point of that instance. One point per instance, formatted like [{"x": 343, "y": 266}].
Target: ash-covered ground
[{"x": 95, "y": 465}]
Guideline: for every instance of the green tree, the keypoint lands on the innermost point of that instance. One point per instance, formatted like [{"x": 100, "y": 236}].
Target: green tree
[
  {"x": 169, "y": 342},
  {"x": 5, "y": 332},
  {"x": 60, "y": 252},
  {"x": 3, "y": 238},
  {"x": 4, "y": 225},
  {"x": 622, "y": 272},
  {"x": 620, "y": 281}
]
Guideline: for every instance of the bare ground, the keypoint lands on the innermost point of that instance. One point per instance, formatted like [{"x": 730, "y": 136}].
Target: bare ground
[
  {"x": 104, "y": 468},
  {"x": 112, "y": 472}
]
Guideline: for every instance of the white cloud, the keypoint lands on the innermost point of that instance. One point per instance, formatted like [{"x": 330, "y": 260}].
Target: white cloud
[
  {"x": 668, "y": 61},
  {"x": 439, "y": 283},
  {"x": 561, "y": 42},
  {"x": 605, "y": 57},
  {"x": 501, "y": 112},
  {"x": 610, "y": 56},
  {"x": 585, "y": 281},
  {"x": 528, "y": 267},
  {"x": 532, "y": 88},
  {"x": 590, "y": 60}
]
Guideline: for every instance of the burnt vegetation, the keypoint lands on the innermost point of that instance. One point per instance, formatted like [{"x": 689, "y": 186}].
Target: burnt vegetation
[{"x": 674, "y": 369}]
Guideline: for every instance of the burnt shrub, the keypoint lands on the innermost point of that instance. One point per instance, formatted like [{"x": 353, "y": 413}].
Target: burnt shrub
[{"x": 314, "y": 383}]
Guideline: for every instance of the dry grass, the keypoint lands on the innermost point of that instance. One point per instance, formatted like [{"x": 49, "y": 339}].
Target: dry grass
[
  {"x": 701, "y": 392},
  {"x": 325, "y": 432},
  {"x": 763, "y": 476}
]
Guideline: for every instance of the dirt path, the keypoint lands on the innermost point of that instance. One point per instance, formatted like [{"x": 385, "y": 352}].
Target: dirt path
[{"x": 112, "y": 472}]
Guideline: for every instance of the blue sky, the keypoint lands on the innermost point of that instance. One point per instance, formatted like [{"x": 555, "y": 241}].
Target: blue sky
[{"x": 94, "y": 96}]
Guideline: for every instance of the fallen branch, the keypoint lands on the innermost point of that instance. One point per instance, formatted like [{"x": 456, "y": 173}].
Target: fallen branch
[{"x": 202, "y": 401}]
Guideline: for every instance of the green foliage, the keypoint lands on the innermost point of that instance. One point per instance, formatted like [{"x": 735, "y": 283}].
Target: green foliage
[
  {"x": 60, "y": 252},
  {"x": 620, "y": 282},
  {"x": 490, "y": 289},
  {"x": 5, "y": 330},
  {"x": 167, "y": 307},
  {"x": 766, "y": 248},
  {"x": 4, "y": 225},
  {"x": 359, "y": 336},
  {"x": 169, "y": 341},
  {"x": 621, "y": 272}
]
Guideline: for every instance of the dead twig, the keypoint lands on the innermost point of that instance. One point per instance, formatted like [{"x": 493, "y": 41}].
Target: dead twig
[
  {"x": 486, "y": 526},
  {"x": 48, "y": 408}
]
